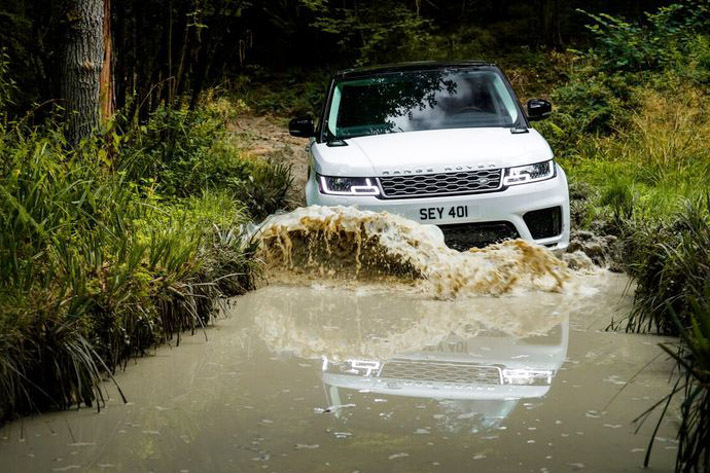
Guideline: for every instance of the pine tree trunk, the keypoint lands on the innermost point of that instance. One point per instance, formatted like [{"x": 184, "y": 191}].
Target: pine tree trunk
[{"x": 81, "y": 63}]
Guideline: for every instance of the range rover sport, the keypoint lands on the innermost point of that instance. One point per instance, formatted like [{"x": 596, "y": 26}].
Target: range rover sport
[{"x": 439, "y": 143}]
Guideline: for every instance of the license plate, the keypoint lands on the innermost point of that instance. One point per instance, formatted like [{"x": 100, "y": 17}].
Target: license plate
[
  {"x": 449, "y": 346},
  {"x": 451, "y": 212}
]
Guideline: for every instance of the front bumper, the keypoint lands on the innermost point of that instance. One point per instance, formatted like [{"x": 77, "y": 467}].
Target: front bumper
[
  {"x": 509, "y": 205},
  {"x": 434, "y": 389}
]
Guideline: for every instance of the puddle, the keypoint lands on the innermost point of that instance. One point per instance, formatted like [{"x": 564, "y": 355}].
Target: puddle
[{"x": 321, "y": 378}]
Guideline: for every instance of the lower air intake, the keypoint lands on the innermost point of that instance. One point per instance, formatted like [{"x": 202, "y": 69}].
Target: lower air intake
[
  {"x": 464, "y": 236},
  {"x": 544, "y": 223}
]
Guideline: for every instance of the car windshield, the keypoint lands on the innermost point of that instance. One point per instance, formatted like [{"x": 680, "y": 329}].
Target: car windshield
[{"x": 420, "y": 100}]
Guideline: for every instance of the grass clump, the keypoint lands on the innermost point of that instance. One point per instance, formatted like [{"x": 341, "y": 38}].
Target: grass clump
[
  {"x": 693, "y": 355},
  {"x": 115, "y": 245},
  {"x": 670, "y": 261}
]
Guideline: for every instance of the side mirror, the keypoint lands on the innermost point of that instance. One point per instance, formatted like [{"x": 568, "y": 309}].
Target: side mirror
[
  {"x": 538, "y": 109},
  {"x": 301, "y": 127}
]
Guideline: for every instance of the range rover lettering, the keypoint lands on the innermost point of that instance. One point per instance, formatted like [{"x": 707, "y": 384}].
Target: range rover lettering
[{"x": 440, "y": 143}]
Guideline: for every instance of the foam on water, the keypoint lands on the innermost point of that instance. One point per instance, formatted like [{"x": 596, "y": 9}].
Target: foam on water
[{"x": 344, "y": 242}]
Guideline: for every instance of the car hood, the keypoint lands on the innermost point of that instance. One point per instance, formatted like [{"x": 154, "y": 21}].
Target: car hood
[{"x": 431, "y": 151}]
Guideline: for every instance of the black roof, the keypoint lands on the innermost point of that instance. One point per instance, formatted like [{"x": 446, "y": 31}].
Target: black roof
[{"x": 409, "y": 66}]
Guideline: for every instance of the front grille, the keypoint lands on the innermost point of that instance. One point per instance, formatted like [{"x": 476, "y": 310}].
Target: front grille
[
  {"x": 441, "y": 372},
  {"x": 426, "y": 185},
  {"x": 544, "y": 223},
  {"x": 464, "y": 236}
]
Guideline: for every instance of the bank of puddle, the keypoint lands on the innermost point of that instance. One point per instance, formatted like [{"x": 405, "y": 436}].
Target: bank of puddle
[{"x": 335, "y": 373}]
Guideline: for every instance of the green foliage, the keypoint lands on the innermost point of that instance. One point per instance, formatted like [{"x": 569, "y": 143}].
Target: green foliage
[
  {"x": 619, "y": 196},
  {"x": 655, "y": 163},
  {"x": 182, "y": 152},
  {"x": 670, "y": 261},
  {"x": 7, "y": 85},
  {"x": 293, "y": 93},
  {"x": 178, "y": 149},
  {"x": 693, "y": 358},
  {"x": 96, "y": 268},
  {"x": 116, "y": 245},
  {"x": 669, "y": 50},
  {"x": 658, "y": 44},
  {"x": 381, "y": 32},
  {"x": 591, "y": 103}
]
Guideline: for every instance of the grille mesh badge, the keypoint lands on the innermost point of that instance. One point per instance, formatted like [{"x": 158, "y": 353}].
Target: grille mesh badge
[
  {"x": 425, "y": 185},
  {"x": 441, "y": 372}
]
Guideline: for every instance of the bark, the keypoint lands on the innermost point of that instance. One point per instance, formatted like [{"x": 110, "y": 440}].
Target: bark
[
  {"x": 106, "y": 78},
  {"x": 121, "y": 79},
  {"x": 80, "y": 65}
]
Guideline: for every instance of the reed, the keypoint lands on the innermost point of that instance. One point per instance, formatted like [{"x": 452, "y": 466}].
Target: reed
[{"x": 103, "y": 257}]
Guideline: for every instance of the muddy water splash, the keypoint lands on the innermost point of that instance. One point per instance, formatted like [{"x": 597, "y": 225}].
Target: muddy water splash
[{"x": 344, "y": 242}]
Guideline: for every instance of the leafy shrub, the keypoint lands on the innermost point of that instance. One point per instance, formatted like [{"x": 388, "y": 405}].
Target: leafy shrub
[
  {"x": 669, "y": 48},
  {"x": 185, "y": 152},
  {"x": 658, "y": 44},
  {"x": 596, "y": 104},
  {"x": 380, "y": 33}
]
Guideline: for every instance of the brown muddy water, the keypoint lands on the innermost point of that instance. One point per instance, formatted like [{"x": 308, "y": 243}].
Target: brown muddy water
[
  {"x": 378, "y": 349},
  {"x": 321, "y": 378}
]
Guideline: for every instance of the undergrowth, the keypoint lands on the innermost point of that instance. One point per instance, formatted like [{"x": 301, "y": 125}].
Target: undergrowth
[{"x": 115, "y": 245}]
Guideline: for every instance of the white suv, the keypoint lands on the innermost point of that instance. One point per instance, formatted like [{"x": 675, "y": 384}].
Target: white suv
[{"x": 439, "y": 143}]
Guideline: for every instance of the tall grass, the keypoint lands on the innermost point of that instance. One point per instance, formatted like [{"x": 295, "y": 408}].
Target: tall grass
[
  {"x": 116, "y": 245},
  {"x": 670, "y": 262},
  {"x": 655, "y": 163},
  {"x": 693, "y": 357}
]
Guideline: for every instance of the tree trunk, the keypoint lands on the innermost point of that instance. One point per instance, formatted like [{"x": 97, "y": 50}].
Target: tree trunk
[
  {"x": 121, "y": 78},
  {"x": 81, "y": 63},
  {"x": 106, "y": 94}
]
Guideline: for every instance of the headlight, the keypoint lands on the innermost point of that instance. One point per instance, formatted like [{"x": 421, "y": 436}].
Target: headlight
[
  {"x": 527, "y": 377},
  {"x": 355, "y": 367},
  {"x": 530, "y": 173},
  {"x": 348, "y": 185}
]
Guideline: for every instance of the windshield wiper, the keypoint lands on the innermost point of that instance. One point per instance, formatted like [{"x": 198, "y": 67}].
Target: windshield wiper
[{"x": 332, "y": 140}]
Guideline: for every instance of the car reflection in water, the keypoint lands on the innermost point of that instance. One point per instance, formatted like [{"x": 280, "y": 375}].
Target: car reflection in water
[{"x": 480, "y": 379}]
